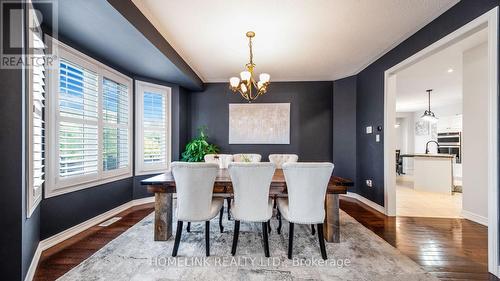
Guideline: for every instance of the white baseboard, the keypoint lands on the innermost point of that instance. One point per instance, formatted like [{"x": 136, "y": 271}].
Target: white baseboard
[
  {"x": 475, "y": 217},
  {"x": 70, "y": 232},
  {"x": 365, "y": 201},
  {"x": 34, "y": 263}
]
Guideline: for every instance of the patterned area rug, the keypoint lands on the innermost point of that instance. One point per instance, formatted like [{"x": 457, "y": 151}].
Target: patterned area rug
[{"x": 361, "y": 255}]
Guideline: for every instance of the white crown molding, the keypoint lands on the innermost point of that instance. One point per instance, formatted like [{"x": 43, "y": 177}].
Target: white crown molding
[{"x": 70, "y": 232}]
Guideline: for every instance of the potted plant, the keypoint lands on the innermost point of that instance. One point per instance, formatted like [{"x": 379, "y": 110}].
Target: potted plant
[{"x": 198, "y": 147}]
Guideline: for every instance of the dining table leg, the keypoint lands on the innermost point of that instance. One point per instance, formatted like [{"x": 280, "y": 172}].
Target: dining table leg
[
  {"x": 331, "y": 227},
  {"x": 163, "y": 216}
]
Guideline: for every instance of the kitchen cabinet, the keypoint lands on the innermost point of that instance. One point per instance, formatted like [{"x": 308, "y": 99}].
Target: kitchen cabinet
[{"x": 450, "y": 123}]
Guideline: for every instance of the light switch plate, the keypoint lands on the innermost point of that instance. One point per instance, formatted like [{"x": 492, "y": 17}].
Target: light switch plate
[
  {"x": 369, "y": 129},
  {"x": 377, "y": 138}
]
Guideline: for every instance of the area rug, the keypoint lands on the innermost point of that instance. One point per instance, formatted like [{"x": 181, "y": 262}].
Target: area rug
[{"x": 361, "y": 255}]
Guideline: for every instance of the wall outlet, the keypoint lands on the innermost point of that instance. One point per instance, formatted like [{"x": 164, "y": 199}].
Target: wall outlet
[
  {"x": 369, "y": 129},
  {"x": 369, "y": 183},
  {"x": 377, "y": 138}
]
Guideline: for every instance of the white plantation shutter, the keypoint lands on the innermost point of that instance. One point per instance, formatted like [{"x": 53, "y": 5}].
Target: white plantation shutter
[
  {"x": 116, "y": 123},
  {"x": 89, "y": 123},
  {"x": 153, "y": 128},
  {"x": 37, "y": 102},
  {"x": 78, "y": 126}
]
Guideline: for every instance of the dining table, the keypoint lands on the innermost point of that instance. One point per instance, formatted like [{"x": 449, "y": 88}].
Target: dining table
[{"x": 163, "y": 186}]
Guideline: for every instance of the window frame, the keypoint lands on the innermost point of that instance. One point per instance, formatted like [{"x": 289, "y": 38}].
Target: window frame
[
  {"x": 140, "y": 88},
  {"x": 54, "y": 184}
]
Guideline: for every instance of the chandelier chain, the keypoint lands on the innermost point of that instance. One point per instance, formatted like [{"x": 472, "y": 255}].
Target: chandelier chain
[{"x": 251, "y": 51}]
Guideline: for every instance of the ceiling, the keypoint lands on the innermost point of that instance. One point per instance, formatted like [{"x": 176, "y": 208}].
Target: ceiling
[
  {"x": 295, "y": 39},
  {"x": 98, "y": 29},
  {"x": 433, "y": 73}
]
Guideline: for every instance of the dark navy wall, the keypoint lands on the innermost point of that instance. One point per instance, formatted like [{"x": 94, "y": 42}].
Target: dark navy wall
[
  {"x": 19, "y": 236},
  {"x": 370, "y": 90},
  {"x": 310, "y": 118},
  {"x": 344, "y": 128},
  {"x": 64, "y": 211},
  {"x": 11, "y": 170}
]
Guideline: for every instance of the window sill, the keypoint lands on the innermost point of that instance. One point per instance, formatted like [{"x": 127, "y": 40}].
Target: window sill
[
  {"x": 151, "y": 172},
  {"x": 52, "y": 192}
]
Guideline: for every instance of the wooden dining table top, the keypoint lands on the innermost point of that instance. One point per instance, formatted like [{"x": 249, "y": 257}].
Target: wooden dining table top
[{"x": 165, "y": 183}]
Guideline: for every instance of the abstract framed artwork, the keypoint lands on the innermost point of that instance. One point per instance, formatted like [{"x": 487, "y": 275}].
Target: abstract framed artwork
[{"x": 259, "y": 123}]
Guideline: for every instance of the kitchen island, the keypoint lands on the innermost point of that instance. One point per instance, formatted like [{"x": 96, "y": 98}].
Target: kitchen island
[{"x": 433, "y": 172}]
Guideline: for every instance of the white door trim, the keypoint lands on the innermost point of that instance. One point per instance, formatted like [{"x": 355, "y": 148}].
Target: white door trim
[{"x": 490, "y": 21}]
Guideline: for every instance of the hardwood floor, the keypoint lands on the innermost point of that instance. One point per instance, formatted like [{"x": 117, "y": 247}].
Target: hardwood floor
[
  {"x": 450, "y": 249},
  {"x": 59, "y": 259}
]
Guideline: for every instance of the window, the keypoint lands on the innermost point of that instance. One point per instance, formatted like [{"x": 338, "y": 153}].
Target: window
[
  {"x": 90, "y": 127},
  {"x": 153, "y": 128},
  {"x": 36, "y": 126}
]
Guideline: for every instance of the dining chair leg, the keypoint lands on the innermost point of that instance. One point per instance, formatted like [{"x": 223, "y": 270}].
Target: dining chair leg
[
  {"x": 228, "y": 199},
  {"x": 313, "y": 231},
  {"x": 220, "y": 220},
  {"x": 321, "y": 241},
  {"x": 188, "y": 227},
  {"x": 207, "y": 238},
  {"x": 290, "y": 240},
  {"x": 178, "y": 234},
  {"x": 266, "y": 240},
  {"x": 235, "y": 236},
  {"x": 269, "y": 226},
  {"x": 278, "y": 215}
]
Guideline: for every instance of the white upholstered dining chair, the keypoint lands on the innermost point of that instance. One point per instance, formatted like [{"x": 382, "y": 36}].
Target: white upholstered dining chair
[
  {"x": 280, "y": 159},
  {"x": 247, "y": 157},
  {"x": 222, "y": 160},
  {"x": 306, "y": 186},
  {"x": 251, "y": 184},
  {"x": 194, "y": 186}
]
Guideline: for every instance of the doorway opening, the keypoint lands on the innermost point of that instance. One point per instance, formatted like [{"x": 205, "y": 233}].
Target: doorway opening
[
  {"x": 446, "y": 167},
  {"x": 431, "y": 141}
]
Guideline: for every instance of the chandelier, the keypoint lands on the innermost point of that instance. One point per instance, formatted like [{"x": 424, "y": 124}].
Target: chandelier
[
  {"x": 248, "y": 88},
  {"x": 428, "y": 114}
]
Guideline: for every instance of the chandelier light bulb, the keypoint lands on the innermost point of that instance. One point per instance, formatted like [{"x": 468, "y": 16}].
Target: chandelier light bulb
[
  {"x": 243, "y": 88},
  {"x": 260, "y": 84},
  {"x": 264, "y": 77},
  {"x": 234, "y": 82},
  {"x": 245, "y": 75}
]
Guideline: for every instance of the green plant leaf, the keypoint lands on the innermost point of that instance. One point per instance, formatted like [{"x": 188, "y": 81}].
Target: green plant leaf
[{"x": 198, "y": 147}]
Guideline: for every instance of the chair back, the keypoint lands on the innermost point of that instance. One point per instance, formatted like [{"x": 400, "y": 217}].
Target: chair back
[
  {"x": 306, "y": 185},
  {"x": 280, "y": 159},
  {"x": 194, "y": 185},
  {"x": 247, "y": 157},
  {"x": 222, "y": 160},
  {"x": 251, "y": 184}
]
